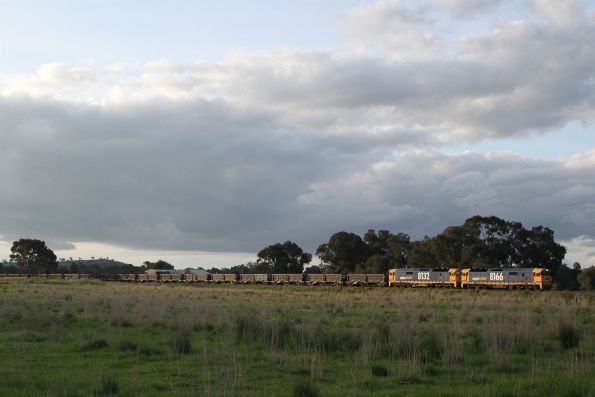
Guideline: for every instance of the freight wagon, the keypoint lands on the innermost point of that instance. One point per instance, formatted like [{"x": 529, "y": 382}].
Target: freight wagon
[
  {"x": 316, "y": 279},
  {"x": 375, "y": 279},
  {"x": 356, "y": 279},
  {"x": 143, "y": 277},
  {"x": 198, "y": 277},
  {"x": 224, "y": 278},
  {"x": 247, "y": 278},
  {"x": 261, "y": 278},
  {"x": 170, "y": 277},
  {"x": 279, "y": 278},
  {"x": 128, "y": 277},
  {"x": 295, "y": 278}
]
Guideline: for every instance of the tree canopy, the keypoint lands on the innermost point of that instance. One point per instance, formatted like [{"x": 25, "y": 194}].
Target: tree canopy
[
  {"x": 478, "y": 242},
  {"x": 33, "y": 256},
  {"x": 587, "y": 279},
  {"x": 159, "y": 265},
  {"x": 283, "y": 258},
  {"x": 344, "y": 252}
]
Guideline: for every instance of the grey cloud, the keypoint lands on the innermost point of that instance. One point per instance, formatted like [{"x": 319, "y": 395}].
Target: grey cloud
[
  {"x": 206, "y": 176},
  {"x": 423, "y": 192},
  {"x": 197, "y": 176}
]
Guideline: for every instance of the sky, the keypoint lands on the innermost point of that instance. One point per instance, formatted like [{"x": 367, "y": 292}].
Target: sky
[{"x": 200, "y": 132}]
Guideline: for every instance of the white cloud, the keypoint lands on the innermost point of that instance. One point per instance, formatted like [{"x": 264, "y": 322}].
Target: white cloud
[
  {"x": 564, "y": 13},
  {"x": 581, "y": 249},
  {"x": 465, "y": 8},
  {"x": 389, "y": 26}
]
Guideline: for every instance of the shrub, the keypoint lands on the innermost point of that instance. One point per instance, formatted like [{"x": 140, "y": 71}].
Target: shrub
[
  {"x": 95, "y": 344},
  {"x": 181, "y": 343},
  {"x": 108, "y": 386},
  {"x": 305, "y": 390},
  {"x": 379, "y": 370},
  {"x": 126, "y": 345},
  {"x": 430, "y": 347},
  {"x": 569, "y": 336}
]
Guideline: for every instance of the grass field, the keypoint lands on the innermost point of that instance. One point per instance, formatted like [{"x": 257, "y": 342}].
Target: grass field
[{"x": 77, "y": 338}]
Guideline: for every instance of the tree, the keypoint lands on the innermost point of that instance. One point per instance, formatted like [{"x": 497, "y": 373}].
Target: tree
[
  {"x": 313, "y": 270},
  {"x": 566, "y": 278},
  {"x": 284, "y": 258},
  {"x": 376, "y": 264},
  {"x": 398, "y": 249},
  {"x": 393, "y": 248},
  {"x": 343, "y": 252},
  {"x": 587, "y": 279},
  {"x": 421, "y": 253},
  {"x": 377, "y": 243},
  {"x": 33, "y": 256},
  {"x": 159, "y": 265}
]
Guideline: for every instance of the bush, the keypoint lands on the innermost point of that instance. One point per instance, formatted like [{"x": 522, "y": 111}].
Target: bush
[
  {"x": 95, "y": 344},
  {"x": 430, "y": 347},
  {"x": 126, "y": 345},
  {"x": 108, "y": 386},
  {"x": 305, "y": 390},
  {"x": 379, "y": 370},
  {"x": 181, "y": 343},
  {"x": 587, "y": 279},
  {"x": 569, "y": 336}
]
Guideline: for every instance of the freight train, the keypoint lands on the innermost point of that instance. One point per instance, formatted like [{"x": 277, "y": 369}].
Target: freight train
[{"x": 493, "y": 278}]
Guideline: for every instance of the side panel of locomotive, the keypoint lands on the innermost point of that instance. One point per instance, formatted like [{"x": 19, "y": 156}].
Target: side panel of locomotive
[
  {"x": 422, "y": 277},
  {"x": 505, "y": 278}
]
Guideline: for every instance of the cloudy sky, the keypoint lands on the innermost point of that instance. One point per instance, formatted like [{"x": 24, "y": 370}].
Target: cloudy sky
[{"x": 200, "y": 132}]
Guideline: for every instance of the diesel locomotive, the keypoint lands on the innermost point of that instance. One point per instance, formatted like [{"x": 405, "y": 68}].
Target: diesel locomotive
[{"x": 504, "y": 278}]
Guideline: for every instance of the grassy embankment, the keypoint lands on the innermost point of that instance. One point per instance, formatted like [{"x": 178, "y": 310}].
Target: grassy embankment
[{"x": 77, "y": 338}]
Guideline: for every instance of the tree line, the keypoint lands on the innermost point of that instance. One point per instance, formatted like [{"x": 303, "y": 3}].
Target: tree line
[{"x": 479, "y": 242}]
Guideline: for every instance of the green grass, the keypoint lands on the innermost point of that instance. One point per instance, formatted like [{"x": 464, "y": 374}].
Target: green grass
[{"x": 87, "y": 338}]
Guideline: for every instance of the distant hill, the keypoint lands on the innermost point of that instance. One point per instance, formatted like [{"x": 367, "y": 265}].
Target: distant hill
[{"x": 102, "y": 263}]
